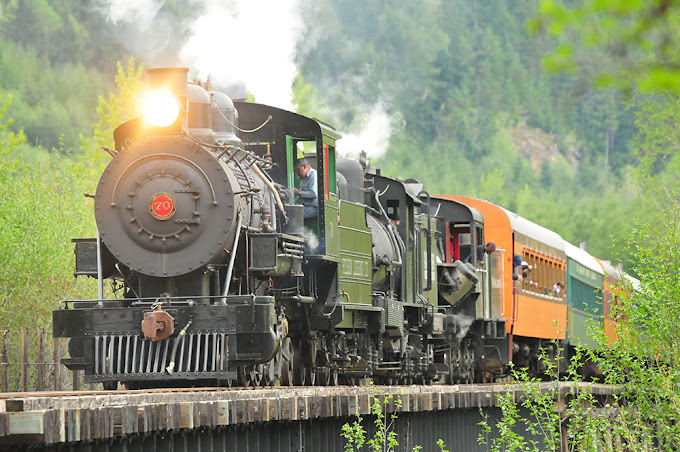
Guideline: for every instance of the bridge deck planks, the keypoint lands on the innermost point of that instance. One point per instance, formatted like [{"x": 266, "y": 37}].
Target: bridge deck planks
[{"x": 58, "y": 418}]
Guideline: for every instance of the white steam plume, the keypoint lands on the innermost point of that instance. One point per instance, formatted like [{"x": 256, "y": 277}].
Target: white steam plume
[
  {"x": 252, "y": 41},
  {"x": 373, "y": 137},
  {"x": 144, "y": 29},
  {"x": 235, "y": 42}
]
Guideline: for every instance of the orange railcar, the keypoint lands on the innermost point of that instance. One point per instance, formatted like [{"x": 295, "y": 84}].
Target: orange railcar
[{"x": 616, "y": 285}]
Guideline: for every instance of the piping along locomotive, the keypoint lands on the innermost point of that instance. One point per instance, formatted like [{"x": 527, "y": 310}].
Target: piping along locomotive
[{"x": 218, "y": 279}]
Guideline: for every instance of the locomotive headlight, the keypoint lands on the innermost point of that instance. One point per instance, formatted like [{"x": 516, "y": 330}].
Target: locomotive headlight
[{"x": 161, "y": 109}]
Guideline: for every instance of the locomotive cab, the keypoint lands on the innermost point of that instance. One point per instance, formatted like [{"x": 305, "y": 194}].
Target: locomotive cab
[
  {"x": 458, "y": 229},
  {"x": 276, "y": 139}
]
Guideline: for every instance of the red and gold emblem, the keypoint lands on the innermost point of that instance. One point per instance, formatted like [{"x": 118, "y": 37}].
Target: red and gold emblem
[{"x": 162, "y": 206}]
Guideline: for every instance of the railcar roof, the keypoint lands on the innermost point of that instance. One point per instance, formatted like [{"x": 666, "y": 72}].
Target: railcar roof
[
  {"x": 476, "y": 214},
  {"x": 614, "y": 272},
  {"x": 634, "y": 282},
  {"x": 530, "y": 229},
  {"x": 610, "y": 270},
  {"x": 583, "y": 258},
  {"x": 265, "y": 122},
  {"x": 411, "y": 189}
]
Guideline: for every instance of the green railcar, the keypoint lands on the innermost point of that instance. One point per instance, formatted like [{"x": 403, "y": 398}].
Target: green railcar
[{"x": 585, "y": 279}]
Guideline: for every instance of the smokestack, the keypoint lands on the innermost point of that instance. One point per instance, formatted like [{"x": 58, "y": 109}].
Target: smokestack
[{"x": 172, "y": 80}]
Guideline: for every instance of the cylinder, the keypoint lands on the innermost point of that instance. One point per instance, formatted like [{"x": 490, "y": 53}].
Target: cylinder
[
  {"x": 200, "y": 122},
  {"x": 167, "y": 209}
]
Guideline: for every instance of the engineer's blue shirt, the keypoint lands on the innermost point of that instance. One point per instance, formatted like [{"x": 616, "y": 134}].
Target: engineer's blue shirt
[{"x": 309, "y": 192}]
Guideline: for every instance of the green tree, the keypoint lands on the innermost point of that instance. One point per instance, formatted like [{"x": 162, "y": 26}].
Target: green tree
[
  {"x": 307, "y": 98},
  {"x": 638, "y": 38},
  {"x": 42, "y": 208},
  {"x": 463, "y": 81},
  {"x": 493, "y": 186},
  {"x": 119, "y": 107}
]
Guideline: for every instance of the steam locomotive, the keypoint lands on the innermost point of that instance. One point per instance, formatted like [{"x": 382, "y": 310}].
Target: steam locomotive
[{"x": 217, "y": 277}]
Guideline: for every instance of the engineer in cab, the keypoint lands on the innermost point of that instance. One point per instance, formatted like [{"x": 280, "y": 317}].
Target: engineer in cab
[{"x": 308, "y": 193}]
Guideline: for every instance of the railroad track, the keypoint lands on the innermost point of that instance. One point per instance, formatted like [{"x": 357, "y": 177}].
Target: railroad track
[
  {"x": 15, "y": 395},
  {"x": 209, "y": 389}
]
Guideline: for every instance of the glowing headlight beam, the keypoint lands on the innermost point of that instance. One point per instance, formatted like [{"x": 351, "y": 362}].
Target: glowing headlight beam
[{"x": 161, "y": 109}]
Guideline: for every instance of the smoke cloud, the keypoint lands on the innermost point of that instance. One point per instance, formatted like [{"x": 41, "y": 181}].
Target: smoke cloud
[
  {"x": 144, "y": 29},
  {"x": 140, "y": 12},
  {"x": 311, "y": 240},
  {"x": 464, "y": 322}
]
